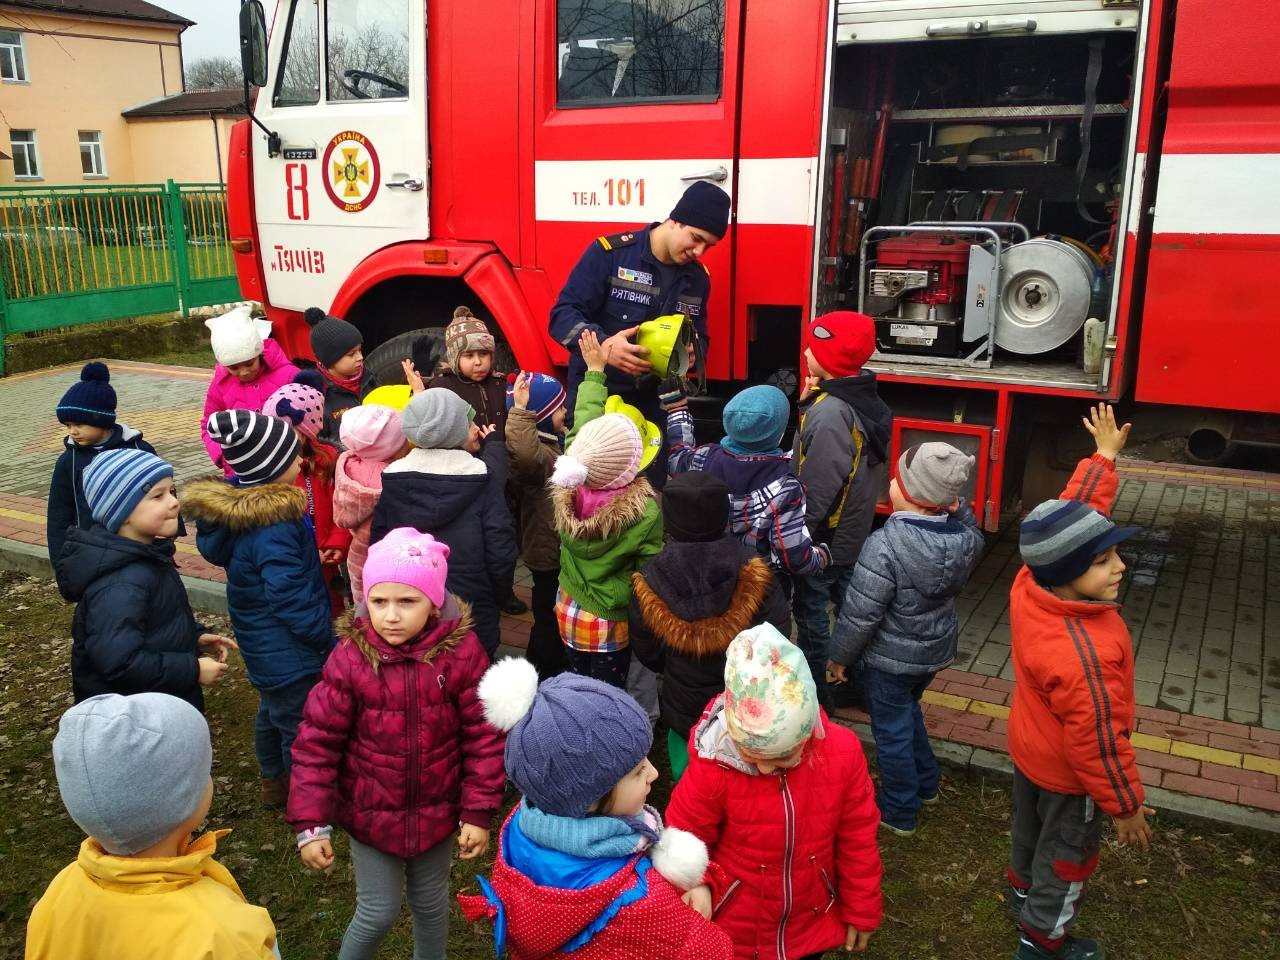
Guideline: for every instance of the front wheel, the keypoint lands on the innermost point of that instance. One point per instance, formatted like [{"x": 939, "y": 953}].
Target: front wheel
[{"x": 384, "y": 360}]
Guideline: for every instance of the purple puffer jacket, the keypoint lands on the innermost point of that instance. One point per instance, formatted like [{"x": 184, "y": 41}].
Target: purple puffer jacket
[
  {"x": 228, "y": 393},
  {"x": 394, "y": 746}
]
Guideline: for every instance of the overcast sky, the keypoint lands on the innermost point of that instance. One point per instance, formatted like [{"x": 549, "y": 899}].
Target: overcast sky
[{"x": 217, "y": 31}]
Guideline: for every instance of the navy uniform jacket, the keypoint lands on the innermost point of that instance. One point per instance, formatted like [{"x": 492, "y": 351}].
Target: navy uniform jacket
[{"x": 618, "y": 284}]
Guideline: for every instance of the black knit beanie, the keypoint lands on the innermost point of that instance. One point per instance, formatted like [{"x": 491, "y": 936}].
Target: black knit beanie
[
  {"x": 331, "y": 337},
  {"x": 695, "y": 507},
  {"x": 91, "y": 400},
  {"x": 705, "y": 206}
]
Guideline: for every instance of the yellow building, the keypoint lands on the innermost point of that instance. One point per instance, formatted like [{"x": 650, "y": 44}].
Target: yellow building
[{"x": 82, "y": 97}]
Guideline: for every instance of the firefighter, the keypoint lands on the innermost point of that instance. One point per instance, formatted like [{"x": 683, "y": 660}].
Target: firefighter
[{"x": 628, "y": 278}]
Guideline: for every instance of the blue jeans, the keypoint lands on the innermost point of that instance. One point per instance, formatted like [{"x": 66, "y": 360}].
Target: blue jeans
[
  {"x": 276, "y": 725},
  {"x": 908, "y": 769},
  {"x": 812, "y": 601},
  {"x": 610, "y": 667}
]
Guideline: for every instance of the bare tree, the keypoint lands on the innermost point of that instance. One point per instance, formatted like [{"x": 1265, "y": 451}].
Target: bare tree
[{"x": 214, "y": 73}]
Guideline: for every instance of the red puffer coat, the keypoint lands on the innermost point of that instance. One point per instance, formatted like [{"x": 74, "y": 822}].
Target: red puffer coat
[
  {"x": 796, "y": 850},
  {"x": 394, "y": 746}
]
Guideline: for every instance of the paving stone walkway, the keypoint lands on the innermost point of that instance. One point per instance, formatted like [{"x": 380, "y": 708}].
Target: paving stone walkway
[{"x": 1202, "y": 596}]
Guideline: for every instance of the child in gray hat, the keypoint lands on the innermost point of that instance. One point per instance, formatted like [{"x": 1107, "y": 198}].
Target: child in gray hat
[
  {"x": 134, "y": 775},
  {"x": 898, "y": 620}
]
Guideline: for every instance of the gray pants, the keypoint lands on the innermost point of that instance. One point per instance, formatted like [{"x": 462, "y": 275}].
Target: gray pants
[
  {"x": 642, "y": 684},
  {"x": 1054, "y": 851},
  {"x": 380, "y": 883}
]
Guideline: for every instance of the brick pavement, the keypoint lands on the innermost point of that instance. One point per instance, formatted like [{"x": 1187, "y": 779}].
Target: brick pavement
[{"x": 1202, "y": 597}]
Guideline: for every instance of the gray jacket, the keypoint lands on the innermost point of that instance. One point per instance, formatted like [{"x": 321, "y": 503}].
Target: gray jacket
[{"x": 899, "y": 615}]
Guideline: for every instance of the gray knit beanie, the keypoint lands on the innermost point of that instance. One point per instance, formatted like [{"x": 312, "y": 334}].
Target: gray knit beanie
[
  {"x": 569, "y": 740},
  {"x": 933, "y": 474},
  {"x": 131, "y": 770},
  {"x": 437, "y": 419}
]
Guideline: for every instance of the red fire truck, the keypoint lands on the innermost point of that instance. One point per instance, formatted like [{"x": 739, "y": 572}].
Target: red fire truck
[{"x": 1042, "y": 202}]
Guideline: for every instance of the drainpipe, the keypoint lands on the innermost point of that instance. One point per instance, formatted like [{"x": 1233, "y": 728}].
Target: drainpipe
[{"x": 217, "y": 145}]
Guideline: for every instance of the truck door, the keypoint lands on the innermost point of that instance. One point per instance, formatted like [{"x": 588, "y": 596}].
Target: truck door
[
  {"x": 637, "y": 99},
  {"x": 347, "y": 94}
]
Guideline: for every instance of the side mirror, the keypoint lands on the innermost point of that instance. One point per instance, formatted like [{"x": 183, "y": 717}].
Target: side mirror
[{"x": 253, "y": 43}]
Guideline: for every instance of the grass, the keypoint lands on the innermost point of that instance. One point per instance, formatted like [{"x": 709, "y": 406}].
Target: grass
[{"x": 1202, "y": 892}]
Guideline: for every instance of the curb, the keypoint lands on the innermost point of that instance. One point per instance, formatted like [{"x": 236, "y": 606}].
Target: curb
[
  {"x": 206, "y": 596},
  {"x": 998, "y": 766}
]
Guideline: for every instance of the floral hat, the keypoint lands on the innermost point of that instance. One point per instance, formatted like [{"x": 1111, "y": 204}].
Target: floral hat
[{"x": 771, "y": 703}]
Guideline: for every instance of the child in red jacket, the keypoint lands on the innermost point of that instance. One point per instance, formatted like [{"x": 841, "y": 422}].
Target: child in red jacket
[
  {"x": 395, "y": 749},
  {"x": 585, "y": 869},
  {"x": 783, "y": 800},
  {"x": 302, "y": 405},
  {"x": 1073, "y": 705}
]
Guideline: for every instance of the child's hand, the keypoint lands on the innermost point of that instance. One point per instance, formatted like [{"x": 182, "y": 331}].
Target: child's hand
[
  {"x": 330, "y": 555},
  {"x": 473, "y": 842},
  {"x": 855, "y": 941},
  {"x": 318, "y": 856},
  {"x": 1134, "y": 831},
  {"x": 594, "y": 355},
  {"x": 412, "y": 377},
  {"x": 215, "y": 646},
  {"x": 811, "y": 385},
  {"x": 1109, "y": 438},
  {"x": 837, "y": 673},
  {"x": 520, "y": 391},
  {"x": 211, "y": 671},
  {"x": 699, "y": 898}
]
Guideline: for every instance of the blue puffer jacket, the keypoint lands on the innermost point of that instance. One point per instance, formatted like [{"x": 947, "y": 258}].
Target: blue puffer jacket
[
  {"x": 133, "y": 629},
  {"x": 899, "y": 615},
  {"x": 275, "y": 589}
]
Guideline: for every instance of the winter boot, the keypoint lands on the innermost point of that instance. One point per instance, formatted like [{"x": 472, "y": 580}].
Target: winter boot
[
  {"x": 275, "y": 792},
  {"x": 1073, "y": 948}
]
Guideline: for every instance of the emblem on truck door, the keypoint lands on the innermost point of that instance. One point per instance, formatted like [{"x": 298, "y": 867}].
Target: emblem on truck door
[{"x": 351, "y": 171}]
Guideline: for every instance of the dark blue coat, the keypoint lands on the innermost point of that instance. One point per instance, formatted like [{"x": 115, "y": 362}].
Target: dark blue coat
[
  {"x": 133, "y": 630},
  {"x": 276, "y": 593},
  {"x": 617, "y": 284},
  {"x": 459, "y": 500},
  {"x": 67, "y": 505}
]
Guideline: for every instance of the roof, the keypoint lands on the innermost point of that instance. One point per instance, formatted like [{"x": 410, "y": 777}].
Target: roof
[
  {"x": 121, "y": 9},
  {"x": 191, "y": 103}
]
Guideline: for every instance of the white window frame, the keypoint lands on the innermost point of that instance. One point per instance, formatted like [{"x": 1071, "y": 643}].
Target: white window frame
[
  {"x": 18, "y": 56},
  {"x": 96, "y": 150},
  {"x": 32, "y": 150}
]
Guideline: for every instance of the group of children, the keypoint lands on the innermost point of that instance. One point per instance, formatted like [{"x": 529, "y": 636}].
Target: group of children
[{"x": 396, "y": 725}]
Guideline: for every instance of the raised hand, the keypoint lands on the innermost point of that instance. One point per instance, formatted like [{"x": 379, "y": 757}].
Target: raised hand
[{"x": 1101, "y": 423}]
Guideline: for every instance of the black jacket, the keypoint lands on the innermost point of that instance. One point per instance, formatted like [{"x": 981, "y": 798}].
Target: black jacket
[
  {"x": 67, "y": 504},
  {"x": 460, "y": 500},
  {"x": 133, "y": 630},
  {"x": 687, "y": 605}
]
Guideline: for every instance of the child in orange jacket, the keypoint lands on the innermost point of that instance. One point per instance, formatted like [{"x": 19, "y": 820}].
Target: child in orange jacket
[{"x": 1073, "y": 706}]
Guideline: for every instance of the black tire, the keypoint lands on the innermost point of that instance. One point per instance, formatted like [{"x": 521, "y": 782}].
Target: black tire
[{"x": 384, "y": 359}]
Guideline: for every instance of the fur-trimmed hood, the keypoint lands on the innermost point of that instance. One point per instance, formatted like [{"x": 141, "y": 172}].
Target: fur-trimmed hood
[
  {"x": 611, "y": 519},
  {"x": 698, "y": 614},
  {"x": 449, "y": 629},
  {"x": 218, "y": 503}
]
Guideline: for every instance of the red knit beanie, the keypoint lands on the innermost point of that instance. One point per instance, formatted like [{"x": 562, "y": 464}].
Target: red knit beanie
[{"x": 841, "y": 341}]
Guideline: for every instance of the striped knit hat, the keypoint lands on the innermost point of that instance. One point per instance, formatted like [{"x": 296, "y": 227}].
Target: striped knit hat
[
  {"x": 258, "y": 448},
  {"x": 115, "y": 481},
  {"x": 1059, "y": 539}
]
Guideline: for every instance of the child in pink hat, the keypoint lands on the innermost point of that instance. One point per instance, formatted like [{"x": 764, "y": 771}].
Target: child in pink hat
[
  {"x": 373, "y": 438},
  {"x": 395, "y": 749}
]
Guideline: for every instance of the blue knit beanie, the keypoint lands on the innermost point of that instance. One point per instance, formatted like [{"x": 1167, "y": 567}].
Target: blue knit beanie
[
  {"x": 92, "y": 400},
  {"x": 1059, "y": 539},
  {"x": 115, "y": 481},
  {"x": 546, "y": 396},
  {"x": 755, "y": 420},
  {"x": 569, "y": 740}
]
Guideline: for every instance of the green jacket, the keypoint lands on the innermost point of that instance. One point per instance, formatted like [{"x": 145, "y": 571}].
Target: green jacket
[{"x": 599, "y": 554}]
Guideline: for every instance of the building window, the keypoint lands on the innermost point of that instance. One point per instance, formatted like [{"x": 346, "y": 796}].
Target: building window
[
  {"x": 298, "y": 76},
  {"x": 13, "y": 60},
  {"x": 636, "y": 51},
  {"x": 92, "y": 161},
  {"x": 26, "y": 163},
  {"x": 367, "y": 49}
]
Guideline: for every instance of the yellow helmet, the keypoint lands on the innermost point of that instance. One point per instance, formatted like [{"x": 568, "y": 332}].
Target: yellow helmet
[
  {"x": 393, "y": 395},
  {"x": 667, "y": 339},
  {"x": 650, "y": 435}
]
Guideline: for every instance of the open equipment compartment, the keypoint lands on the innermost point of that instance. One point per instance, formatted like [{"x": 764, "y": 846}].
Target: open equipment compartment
[{"x": 1008, "y": 127}]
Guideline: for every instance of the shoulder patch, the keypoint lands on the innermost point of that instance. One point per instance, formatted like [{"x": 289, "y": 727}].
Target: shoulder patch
[
  {"x": 615, "y": 240},
  {"x": 704, "y": 268}
]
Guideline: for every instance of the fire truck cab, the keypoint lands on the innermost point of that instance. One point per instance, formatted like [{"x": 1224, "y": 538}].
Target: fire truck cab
[{"x": 1041, "y": 202}]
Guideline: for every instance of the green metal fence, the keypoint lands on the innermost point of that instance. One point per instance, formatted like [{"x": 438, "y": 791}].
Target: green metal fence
[{"x": 72, "y": 255}]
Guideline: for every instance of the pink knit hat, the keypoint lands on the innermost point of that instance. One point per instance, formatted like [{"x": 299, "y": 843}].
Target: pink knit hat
[
  {"x": 300, "y": 405},
  {"x": 406, "y": 556},
  {"x": 371, "y": 432}
]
